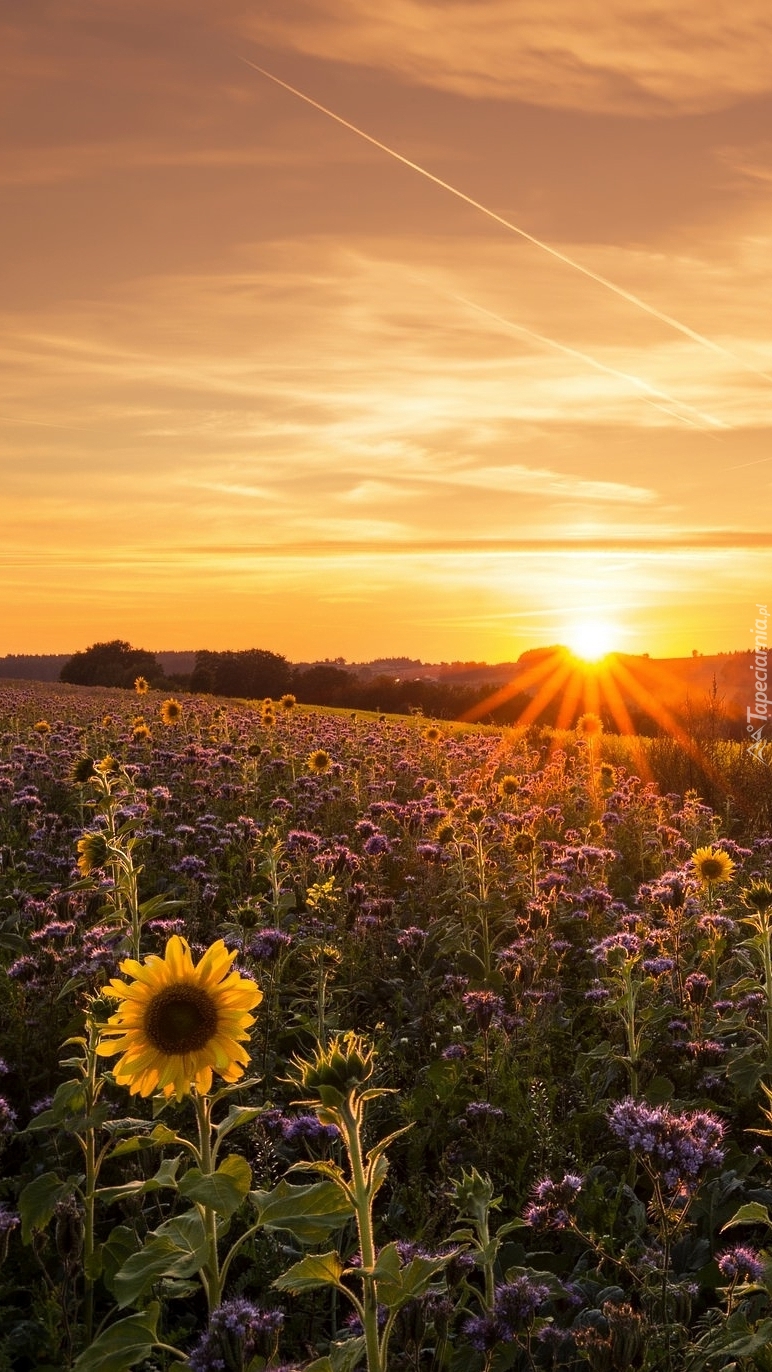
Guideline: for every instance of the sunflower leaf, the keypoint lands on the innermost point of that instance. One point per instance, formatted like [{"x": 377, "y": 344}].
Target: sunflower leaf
[
  {"x": 178, "y": 1248},
  {"x": 122, "y": 1345},
  {"x": 237, "y": 1114},
  {"x": 311, "y": 1212},
  {"x": 39, "y": 1200},
  {"x": 223, "y": 1190},
  {"x": 166, "y": 1176},
  {"x": 342, "y": 1357},
  {"x": 752, "y": 1213},
  {"x": 318, "y": 1269}
]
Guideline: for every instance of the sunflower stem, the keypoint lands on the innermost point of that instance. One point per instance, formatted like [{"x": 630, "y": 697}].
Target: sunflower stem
[
  {"x": 350, "y": 1115},
  {"x": 210, "y": 1274}
]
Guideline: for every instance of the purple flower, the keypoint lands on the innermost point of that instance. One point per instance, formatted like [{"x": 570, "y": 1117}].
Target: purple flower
[
  {"x": 679, "y": 1147},
  {"x": 483, "y": 1110},
  {"x": 657, "y": 967},
  {"x": 308, "y": 1127},
  {"x": 485, "y": 1006},
  {"x": 377, "y": 846},
  {"x": 516, "y": 1303},
  {"x": 268, "y": 944},
  {"x": 550, "y": 1206},
  {"x": 9, "y": 1220},
  {"x": 411, "y": 938},
  {"x": 7, "y": 1117},
  {"x": 741, "y": 1264},
  {"x": 614, "y": 950},
  {"x": 238, "y": 1332}
]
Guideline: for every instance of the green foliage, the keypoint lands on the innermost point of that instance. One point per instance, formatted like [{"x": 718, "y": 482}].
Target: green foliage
[{"x": 111, "y": 664}]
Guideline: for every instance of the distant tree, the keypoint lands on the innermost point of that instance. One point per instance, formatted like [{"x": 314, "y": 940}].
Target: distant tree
[
  {"x": 111, "y": 664},
  {"x": 32, "y": 666},
  {"x": 323, "y": 684},
  {"x": 252, "y": 673}
]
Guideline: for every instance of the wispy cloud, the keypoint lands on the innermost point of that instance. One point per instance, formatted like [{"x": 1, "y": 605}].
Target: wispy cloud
[{"x": 642, "y": 59}]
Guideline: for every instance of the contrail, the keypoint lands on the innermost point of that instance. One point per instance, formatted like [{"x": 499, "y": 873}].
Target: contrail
[
  {"x": 650, "y": 393},
  {"x": 514, "y": 228}
]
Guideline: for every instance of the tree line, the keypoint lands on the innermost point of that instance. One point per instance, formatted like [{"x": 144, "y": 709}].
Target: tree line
[{"x": 256, "y": 673}]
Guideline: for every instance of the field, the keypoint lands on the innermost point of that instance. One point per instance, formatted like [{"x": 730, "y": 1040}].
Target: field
[{"x": 485, "y": 1083}]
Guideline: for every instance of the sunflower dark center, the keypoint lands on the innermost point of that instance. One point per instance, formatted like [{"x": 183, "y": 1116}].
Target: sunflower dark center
[
  {"x": 181, "y": 1019},
  {"x": 711, "y": 869}
]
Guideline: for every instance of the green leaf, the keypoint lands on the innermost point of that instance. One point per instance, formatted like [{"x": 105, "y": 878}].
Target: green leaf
[
  {"x": 131, "y": 1145},
  {"x": 69, "y": 1099},
  {"x": 380, "y": 1147},
  {"x": 379, "y": 1172},
  {"x": 39, "y": 1199},
  {"x": 238, "y": 1114},
  {"x": 342, "y": 1357},
  {"x": 387, "y": 1267},
  {"x": 396, "y": 1284},
  {"x": 163, "y": 1134},
  {"x": 186, "y": 1230},
  {"x": 311, "y": 1212},
  {"x": 178, "y": 1248},
  {"x": 223, "y": 1190},
  {"x": 752, "y": 1213},
  {"x": 318, "y": 1269},
  {"x": 745, "y": 1346},
  {"x": 325, "y": 1169},
  {"x": 166, "y": 1176},
  {"x": 122, "y": 1345},
  {"x": 115, "y": 1251}
]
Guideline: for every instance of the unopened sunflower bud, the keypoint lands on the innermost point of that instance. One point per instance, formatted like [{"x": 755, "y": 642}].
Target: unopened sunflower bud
[{"x": 337, "y": 1070}]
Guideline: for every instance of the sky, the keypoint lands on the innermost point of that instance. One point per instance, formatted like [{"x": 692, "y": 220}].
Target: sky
[{"x": 266, "y": 385}]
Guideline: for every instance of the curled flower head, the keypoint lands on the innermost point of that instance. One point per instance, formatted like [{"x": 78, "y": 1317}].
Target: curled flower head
[
  {"x": 93, "y": 852},
  {"x": 758, "y": 895}
]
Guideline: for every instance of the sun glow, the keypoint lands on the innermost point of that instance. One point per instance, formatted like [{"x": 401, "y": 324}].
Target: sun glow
[{"x": 591, "y": 639}]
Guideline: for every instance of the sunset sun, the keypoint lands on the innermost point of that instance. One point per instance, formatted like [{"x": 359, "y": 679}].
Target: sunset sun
[{"x": 591, "y": 639}]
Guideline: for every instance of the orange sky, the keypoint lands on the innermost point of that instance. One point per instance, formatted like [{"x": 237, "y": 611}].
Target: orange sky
[{"x": 265, "y": 386}]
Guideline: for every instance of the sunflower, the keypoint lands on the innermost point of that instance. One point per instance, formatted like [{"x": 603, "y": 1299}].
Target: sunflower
[
  {"x": 93, "y": 851},
  {"x": 589, "y": 725},
  {"x": 319, "y": 761},
  {"x": 288, "y": 702},
  {"x": 171, "y": 712},
  {"x": 178, "y": 1022},
  {"x": 712, "y": 865},
  {"x": 141, "y": 686}
]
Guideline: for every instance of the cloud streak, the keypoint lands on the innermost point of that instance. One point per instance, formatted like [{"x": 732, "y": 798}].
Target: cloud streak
[{"x": 644, "y": 60}]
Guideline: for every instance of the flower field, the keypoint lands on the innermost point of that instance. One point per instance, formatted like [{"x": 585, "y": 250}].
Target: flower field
[{"x": 343, "y": 1042}]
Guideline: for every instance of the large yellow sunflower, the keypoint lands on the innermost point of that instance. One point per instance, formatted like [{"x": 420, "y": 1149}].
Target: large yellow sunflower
[
  {"x": 712, "y": 865},
  {"x": 178, "y": 1022}
]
